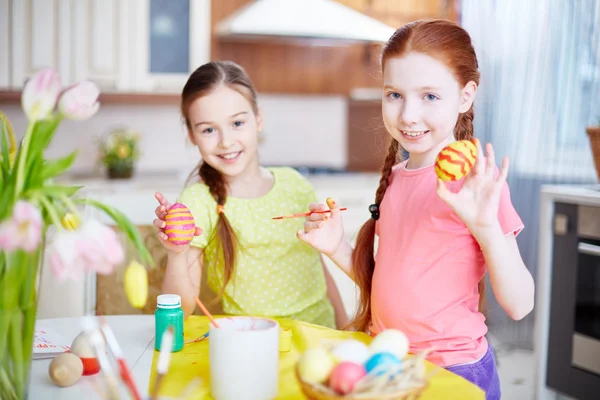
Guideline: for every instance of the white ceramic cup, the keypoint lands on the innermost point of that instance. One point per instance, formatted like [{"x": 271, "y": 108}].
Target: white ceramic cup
[{"x": 244, "y": 358}]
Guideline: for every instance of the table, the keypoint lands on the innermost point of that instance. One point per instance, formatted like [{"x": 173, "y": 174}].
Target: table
[{"x": 135, "y": 334}]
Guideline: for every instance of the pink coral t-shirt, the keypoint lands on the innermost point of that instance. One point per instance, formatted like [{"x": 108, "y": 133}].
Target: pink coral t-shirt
[{"x": 427, "y": 268}]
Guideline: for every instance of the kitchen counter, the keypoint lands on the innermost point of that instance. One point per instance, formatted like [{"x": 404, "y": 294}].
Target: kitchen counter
[{"x": 587, "y": 195}]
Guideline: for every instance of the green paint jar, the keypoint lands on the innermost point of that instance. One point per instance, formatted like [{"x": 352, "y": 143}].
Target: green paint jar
[{"x": 168, "y": 313}]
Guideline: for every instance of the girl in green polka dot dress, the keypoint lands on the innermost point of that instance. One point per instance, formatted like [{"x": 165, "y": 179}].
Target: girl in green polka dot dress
[{"x": 255, "y": 263}]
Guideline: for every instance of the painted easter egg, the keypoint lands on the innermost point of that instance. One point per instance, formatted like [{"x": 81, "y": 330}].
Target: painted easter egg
[
  {"x": 456, "y": 160},
  {"x": 315, "y": 365},
  {"x": 381, "y": 362},
  {"x": 390, "y": 341},
  {"x": 83, "y": 349},
  {"x": 351, "y": 350},
  {"x": 180, "y": 226},
  {"x": 345, "y": 376}
]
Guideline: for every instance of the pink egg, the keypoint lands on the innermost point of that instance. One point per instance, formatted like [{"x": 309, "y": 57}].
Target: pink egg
[
  {"x": 180, "y": 226},
  {"x": 345, "y": 375}
]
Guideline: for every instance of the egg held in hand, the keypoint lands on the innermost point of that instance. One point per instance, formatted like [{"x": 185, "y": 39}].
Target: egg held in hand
[
  {"x": 179, "y": 224},
  {"x": 456, "y": 160}
]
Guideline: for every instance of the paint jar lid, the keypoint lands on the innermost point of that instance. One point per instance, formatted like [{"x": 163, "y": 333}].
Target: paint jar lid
[{"x": 168, "y": 301}]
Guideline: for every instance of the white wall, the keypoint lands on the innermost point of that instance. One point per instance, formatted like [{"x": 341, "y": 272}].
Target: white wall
[{"x": 299, "y": 130}]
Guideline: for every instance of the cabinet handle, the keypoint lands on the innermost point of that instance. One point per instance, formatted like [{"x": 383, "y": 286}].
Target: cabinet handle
[{"x": 590, "y": 249}]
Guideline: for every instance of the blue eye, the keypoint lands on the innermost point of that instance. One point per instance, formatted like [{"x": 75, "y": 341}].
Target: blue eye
[
  {"x": 208, "y": 130},
  {"x": 431, "y": 97},
  {"x": 394, "y": 96},
  {"x": 237, "y": 124}
]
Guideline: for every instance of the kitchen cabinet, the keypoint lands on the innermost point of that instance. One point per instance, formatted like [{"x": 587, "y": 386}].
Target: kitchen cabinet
[
  {"x": 109, "y": 42},
  {"x": 37, "y": 36}
]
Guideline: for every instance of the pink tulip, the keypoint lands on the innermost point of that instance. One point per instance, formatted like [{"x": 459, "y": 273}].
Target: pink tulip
[
  {"x": 94, "y": 247},
  {"x": 80, "y": 101},
  {"x": 23, "y": 229},
  {"x": 40, "y": 93}
]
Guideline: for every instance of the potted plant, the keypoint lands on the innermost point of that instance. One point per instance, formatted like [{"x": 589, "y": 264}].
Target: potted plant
[
  {"x": 41, "y": 219},
  {"x": 119, "y": 151},
  {"x": 594, "y": 136}
]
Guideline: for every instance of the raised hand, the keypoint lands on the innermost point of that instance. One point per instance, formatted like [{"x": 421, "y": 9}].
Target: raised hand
[
  {"x": 476, "y": 204},
  {"x": 160, "y": 223},
  {"x": 324, "y": 232}
]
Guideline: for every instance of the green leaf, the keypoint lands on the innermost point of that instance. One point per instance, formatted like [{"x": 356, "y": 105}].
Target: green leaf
[
  {"x": 126, "y": 226},
  {"x": 52, "y": 168},
  {"x": 5, "y": 155},
  {"x": 6, "y": 198},
  {"x": 42, "y": 134},
  {"x": 53, "y": 191}
]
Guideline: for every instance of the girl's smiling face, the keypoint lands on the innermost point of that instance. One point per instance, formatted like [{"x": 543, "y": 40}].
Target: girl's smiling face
[
  {"x": 421, "y": 103},
  {"x": 224, "y": 127}
]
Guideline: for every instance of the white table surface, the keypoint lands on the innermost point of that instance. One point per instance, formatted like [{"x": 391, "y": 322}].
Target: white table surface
[{"x": 135, "y": 334}]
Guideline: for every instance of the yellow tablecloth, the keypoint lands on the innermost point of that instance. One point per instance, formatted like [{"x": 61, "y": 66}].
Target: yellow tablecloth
[{"x": 192, "y": 362}]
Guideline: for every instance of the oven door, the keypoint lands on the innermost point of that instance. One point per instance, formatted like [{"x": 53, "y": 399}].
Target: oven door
[{"x": 586, "y": 335}]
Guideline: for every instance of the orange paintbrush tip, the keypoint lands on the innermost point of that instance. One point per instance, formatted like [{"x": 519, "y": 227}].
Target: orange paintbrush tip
[
  {"x": 205, "y": 311},
  {"x": 306, "y": 214}
]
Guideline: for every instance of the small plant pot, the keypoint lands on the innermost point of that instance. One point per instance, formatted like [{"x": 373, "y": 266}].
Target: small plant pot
[{"x": 120, "y": 172}]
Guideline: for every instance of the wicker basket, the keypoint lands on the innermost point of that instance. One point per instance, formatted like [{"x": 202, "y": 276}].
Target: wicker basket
[
  {"x": 377, "y": 387},
  {"x": 594, "y": 135}
]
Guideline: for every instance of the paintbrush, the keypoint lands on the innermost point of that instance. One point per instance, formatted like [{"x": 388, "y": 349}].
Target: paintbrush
[
  {"x": 306, "y": 214},
  {"x": 98, "y": 344},
  {"x": 201, "y": 338},
  {"x": 118, "y": 354},
  {"x": 205, "y": 311},
  {"x": 164, "y": 359}
]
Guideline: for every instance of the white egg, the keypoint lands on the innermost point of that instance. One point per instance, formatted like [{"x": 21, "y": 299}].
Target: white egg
[
  {"x": 390, "y": 341},
  {"x": 82, "y": 346},
  {"x": 351, "y": 350}
]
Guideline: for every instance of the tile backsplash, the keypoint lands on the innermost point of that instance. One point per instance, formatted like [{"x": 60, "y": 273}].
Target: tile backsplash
[{"x": 299, "y": 130}]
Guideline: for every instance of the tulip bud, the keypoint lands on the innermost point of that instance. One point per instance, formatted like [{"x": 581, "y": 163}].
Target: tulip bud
[
  {"x": 136, "y": 284},
  {"x": 80, "y": 101},
  {"x": 40, "y": 93}
]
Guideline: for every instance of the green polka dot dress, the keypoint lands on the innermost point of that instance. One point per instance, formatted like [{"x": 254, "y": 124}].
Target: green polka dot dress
[{"x": 276, "y": 274}]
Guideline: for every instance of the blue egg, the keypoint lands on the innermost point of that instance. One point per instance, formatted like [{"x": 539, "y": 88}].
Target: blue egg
[{"x": 381, "y": 361}]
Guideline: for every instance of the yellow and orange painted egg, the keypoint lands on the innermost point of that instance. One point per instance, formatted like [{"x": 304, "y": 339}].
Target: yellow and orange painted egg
[
  {"x": 456, "y": 160},
  {"x": 180, "y": 225}
]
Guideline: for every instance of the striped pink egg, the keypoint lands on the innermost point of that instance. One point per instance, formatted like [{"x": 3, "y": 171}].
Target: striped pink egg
[{"x": 180, "y": 224}]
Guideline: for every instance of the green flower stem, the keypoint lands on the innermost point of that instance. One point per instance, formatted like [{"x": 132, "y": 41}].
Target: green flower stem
[
  {"x": 23, "y": 159},
  {"x": 6, "y": 387},
  {"x": 15, "y": 344},
  {"x": 70, "y": 205},
  {"x": 51, "y": 212}
]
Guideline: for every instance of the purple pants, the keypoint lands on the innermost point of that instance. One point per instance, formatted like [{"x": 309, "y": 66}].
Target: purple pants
[{"x": 482, "y": 373}]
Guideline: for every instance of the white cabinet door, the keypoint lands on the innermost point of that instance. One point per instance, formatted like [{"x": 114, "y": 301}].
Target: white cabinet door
[
  {"x": 96, "y": 38},
  {"x": 169, "y": 39},
  {"x": 39, "y": 38},
  {"x": 4, "y": 44}
]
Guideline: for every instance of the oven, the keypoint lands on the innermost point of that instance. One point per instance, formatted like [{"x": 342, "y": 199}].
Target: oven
[{"x": 574, "y": 333}]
